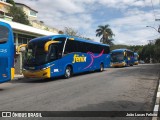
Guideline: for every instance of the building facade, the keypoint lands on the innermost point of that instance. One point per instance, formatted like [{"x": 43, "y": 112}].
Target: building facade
[
  {"x": 31, "y": 13},
  {"x": 4, "y": 10},
  {"x": 32, "y": 17}
]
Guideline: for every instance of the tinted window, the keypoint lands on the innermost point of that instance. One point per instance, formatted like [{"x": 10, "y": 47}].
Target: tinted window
[
  {"x": 106, "y": 50},
  {"x": 130, "y": 54},
  {"x": 117, "y": 56},
  {"x": 78, "y": 46},
  {"x": 4, "y": 32},
  {"x": 60, "y": 45},
  {"x": 71, "y": 46}
]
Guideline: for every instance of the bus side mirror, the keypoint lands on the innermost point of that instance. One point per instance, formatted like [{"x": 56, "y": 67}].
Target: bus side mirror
[{"x": 47, "y": 44}]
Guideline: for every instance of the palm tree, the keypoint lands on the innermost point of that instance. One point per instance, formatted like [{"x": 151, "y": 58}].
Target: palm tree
[{"x": 106, "y": 34}]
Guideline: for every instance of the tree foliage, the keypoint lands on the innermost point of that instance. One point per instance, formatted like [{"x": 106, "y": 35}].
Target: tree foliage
[
  {"x": 105, "y": 33},
  {"x": 118, "y": 47},
  {"x": 151, "y": 52},
  {"x": 11, "y": 2},
  {"x": 72, "y": 32},
  {"x": 18, "y": 14}
]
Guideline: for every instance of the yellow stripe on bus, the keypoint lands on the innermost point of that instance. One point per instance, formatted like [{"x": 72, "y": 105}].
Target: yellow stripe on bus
[{"x": 37, "y": 74}]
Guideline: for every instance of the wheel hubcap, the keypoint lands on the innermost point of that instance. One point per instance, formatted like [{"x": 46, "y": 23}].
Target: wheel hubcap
[{"x": 68, "y": 72}]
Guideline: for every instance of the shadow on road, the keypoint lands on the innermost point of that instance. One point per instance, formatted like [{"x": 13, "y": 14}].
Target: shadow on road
[
  {"x": 36, "y": 80},
  {"x": 99, "y": 111},
  {"x": 1, "y": 89}
]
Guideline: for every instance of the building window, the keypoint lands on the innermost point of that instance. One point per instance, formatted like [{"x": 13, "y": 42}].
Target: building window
[
  {"x": 33, "y": 13},
  {"x": 24, "y": 39}
]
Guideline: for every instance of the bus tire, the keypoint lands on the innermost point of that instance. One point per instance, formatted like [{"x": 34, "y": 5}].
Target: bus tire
[
  {"x": 68, "y": 72},
  {"x": 101, "y": 67},
  {"x": 131, "y": 64}
]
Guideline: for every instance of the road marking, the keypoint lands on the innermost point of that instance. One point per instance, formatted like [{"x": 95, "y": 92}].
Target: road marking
[
  {"x": 156, "y": 107},
  {"x": 158, "y": 94}
]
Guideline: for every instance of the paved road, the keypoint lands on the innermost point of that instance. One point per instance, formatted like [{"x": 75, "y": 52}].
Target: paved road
[{"x": 115, "y": 89}]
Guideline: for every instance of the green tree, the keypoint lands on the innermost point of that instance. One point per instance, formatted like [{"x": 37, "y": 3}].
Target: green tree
[
  {"x": 148, "y": 53},
  {"x": 18, "y": 14},
  {"x": 11, "y": 2},
  {"x": 157, "y": 50},
  {"x": 157, "y": 42},
  {"x": 105, "y": 33},
  {"x": 113, "y": 47}
]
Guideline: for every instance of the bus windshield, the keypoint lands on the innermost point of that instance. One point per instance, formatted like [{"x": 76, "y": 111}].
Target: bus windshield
[
  {"x": 136, "y": 57},
  {"x": 117, "y": 56},
  {"x": 35, "y": 54},
  {"x": 3, "y": 34}
]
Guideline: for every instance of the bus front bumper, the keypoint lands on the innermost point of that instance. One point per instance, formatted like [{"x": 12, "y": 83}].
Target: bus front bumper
[
  {"x": 136, "y": 63},
  {"x": 37, "y": 73},
  {"x": 118, "y": 64}
]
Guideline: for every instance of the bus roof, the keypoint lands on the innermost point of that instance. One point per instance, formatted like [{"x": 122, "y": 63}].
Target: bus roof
[
  {"x": 75, "y": 38},
  {"x": 5, "y": 24},
  {"x": 121, "y": 50}
]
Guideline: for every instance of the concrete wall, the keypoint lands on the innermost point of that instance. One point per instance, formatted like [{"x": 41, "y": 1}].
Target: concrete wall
[
  {"x": 4, "y": 7},
  {"x": 18, "y": 64}
]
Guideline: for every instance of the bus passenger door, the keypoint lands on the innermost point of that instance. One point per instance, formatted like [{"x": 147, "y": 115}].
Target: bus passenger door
[{"x": 53, "y": 58}]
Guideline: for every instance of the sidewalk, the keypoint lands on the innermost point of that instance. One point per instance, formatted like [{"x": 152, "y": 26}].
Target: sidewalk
[{"x": 18, "y": 76}]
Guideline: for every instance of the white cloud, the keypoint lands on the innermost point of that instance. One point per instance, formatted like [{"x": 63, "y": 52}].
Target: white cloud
[
  {"x": 80, "y": 15},
  {"x": 132, "y": 29}
]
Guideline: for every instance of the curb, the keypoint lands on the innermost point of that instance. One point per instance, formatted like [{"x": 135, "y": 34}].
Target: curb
[
  {"x": 157, "y": 103},
  {"x": 18, "y": 77}
]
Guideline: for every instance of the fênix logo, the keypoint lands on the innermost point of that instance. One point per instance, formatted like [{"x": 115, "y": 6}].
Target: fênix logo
[{"x": 78, "y": 58}]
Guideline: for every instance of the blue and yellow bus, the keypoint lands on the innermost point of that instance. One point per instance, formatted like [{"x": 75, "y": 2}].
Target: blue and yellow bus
[
  {"x": 62, "y": 55},
  {"x": 122, "y": 57},
  {"x": 7, "y": 51},
  {"x": 136, "y": 56}
]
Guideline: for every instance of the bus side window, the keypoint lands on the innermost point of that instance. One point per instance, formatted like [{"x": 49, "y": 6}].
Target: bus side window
[{"x": 71, "y": 46}]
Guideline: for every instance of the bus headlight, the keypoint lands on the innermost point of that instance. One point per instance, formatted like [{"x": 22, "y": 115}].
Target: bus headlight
[{"x": 45, "y": 68}]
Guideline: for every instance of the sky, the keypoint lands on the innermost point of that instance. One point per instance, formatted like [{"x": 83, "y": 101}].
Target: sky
[{"x": 127, "y": 18}]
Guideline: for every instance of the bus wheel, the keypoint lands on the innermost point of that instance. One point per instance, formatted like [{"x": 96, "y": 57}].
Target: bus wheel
[
  {"x": 68, "y": 72},
  {"x": 101, "y": 67}
]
